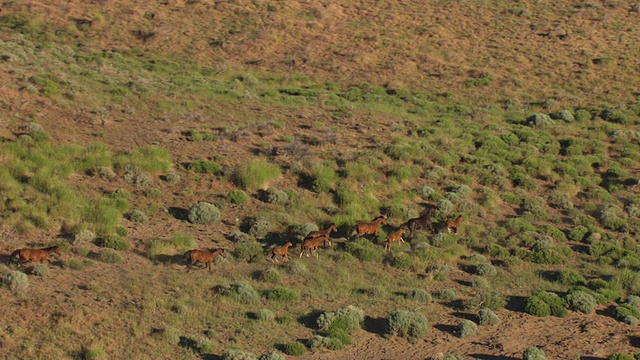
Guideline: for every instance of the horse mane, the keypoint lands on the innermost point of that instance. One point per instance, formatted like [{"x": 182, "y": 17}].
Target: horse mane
[{"x": 51, "y": 248}]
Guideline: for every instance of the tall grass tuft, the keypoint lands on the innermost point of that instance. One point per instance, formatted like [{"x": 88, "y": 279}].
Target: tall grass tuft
[{"x": 255, "y": 173}]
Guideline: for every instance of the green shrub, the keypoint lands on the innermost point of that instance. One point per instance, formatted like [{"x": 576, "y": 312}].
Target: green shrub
[
  {"x": 439, "y": 272},
  {"x": 564, "y": 115},
  {"x": 113, "y": 241},
  {"x": 319, "y": 342},
  {"x": 109, "y": 256},
  {"x": 276, "y": 197},
  {"x": 259, "y": 227},
  {"x": 172, "y": 178},
  {"x": 203, "y": 213},
  {"x": 94, "y": 352},
  {"x": 581, "y": 301},
  {"x": 620, "y": 356},
  {"x": 543, "y": 303},
  {"x": 401, "y": 260},
  {"x": 578, "y": 233},
  {"x": 196, "y": 344},
  {"x": 265, "y": 315},
  {"x": 540, "y": 120},
  {"x": 350, "y": 319},
  {"x": 17, "y": 281},
  {"x": 479, "y": 282},
  {"x": 271, "y": 275},
  {"x": 204, "y": 167},
  {"x": 83, "y": 236},
  {"x": 255, "y": 173},
  {"x": 136, "y": 216},
  {"x": 490, "y": 299},
  {"x": 242, "y": 293},
  {"x": 533, "y": 353},
  {"x": 443, "y": 240},
  {"x": 237, "y": 196},
  {"x": 467, "y": 328},
  {"x": 77, "y": 264},
  {"x": 409, "y": 324},
  {"x": 238, "y": 355},
  {"x": 40, "y": 270},
  {"x": 282, "y": 294},
  {"x": 420, "y": 295},
  {"x": 626, "y": 313},
  {"x": 364, "y": 250},
  {"x": 486, "y": 270},
  {"x": 447, "y": 294},
  {"x": 486, "y": 316},
  {"x": 271, "y": 356},
  {"x": 294, "y": 349}
]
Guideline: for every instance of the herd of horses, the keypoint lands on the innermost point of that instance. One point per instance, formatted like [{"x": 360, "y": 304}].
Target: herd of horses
[{"x": 309, "y": 245}]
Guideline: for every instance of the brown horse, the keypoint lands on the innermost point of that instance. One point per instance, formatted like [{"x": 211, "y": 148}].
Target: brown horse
[
  {"x": 421, "y": 222},
  {"x": 203, "y": 256},
  {"x": 35, "y": 255},
  {"x": 396, "y": 236},
  {"x": 325, "y": 232},
  {"x": 312, "y": 244},
  {"x": 453, "y": 225},
  {"x": 372, "y": 227},
  {"x": 282, "y": 251}
]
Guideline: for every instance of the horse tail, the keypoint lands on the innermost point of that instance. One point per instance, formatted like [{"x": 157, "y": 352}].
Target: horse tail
[
  {"x": 187, "y": 255},
  {"x": 15, "y": 256}
]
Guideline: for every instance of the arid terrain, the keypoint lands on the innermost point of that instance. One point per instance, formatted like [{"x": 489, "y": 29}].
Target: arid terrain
[{"x": 118, "y": 117}]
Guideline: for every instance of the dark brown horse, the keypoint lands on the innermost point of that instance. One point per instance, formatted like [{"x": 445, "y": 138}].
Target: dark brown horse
[
  {"x": 282, "y": 251},
  {"x": 453, "y": 225},
  {"x": 312, "y": 244},
  {"x": 421, "y": 222},
  {"x": 35, "y": 255},
  {"x": 203, "y": 256},
  {"x": 372, "y": 227}
]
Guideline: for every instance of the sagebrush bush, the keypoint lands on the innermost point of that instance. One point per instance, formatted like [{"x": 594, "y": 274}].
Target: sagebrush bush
[
  {"x": 259, "y": 227},
  {"x": 109, "y": 256},
  {"x": 282, "y": 294},
  {"x": 540, "y": 120},
  {"x": 409, "y": 324},
  {"x": 533, "y": 353},
  {"x": 364, "y": 250},
  {"x": 237, "y": 196},
  {"x": 294, "y": 349},
  {"x": 172, "y": 178},
  {"x": 634, "y": 301},
  {"x": 136, "y": 216},
  {"x": 419, "y": 295},
  {"x": 276, "y": 197},
  {"x": 204, "y": 167},
  {"x": 319, "y": 342},
  {"x": 113, "y": 241},
  {"x": 486, "y": 270},
  {"x": 480, "y": 283},
  {"x": 265, "y": 315},
  {"x": 203, "y": 213},
  {"x": 626, "y": 313},
  {"x": 439, "y": 272},
  {"x": 351, "y": 319},
  {"x": 242, "y": 293},
  {"x": 447, "y": 294},
  {"x": 40, "y": 270},
  {"x": 271, "y": 356},
  {"x": 491, "y": 299},
  {"x": 401, "y": 260},
  {"x": 236, "y": 354},
  {"x": 83, "y": 236},
  {"x": 544, "y": 303},
  {"x": 443, "y": 240},
  {"x": 486, "y": 316},
  {"x": 467, "y": 328},
  {"x": 621, "y": 356},
  {"x": 17, "y": 281},
  {"x": 581, "y": 301},
  {"x": 271, "y": 275}
]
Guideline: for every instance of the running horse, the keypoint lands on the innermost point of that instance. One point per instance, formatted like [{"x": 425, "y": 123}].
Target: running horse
[
  {"x": 396, "y": 236},
  {"x": 203, "y": 256},
  {"x": 281, "y": 251},
  {"x": 372, "y": 227},
  {"x": 312, "y": 244},
  {"x": 421, "y": 222},
  {"x": 453, "y": 225},
  {"x": 35, "y": 255}
]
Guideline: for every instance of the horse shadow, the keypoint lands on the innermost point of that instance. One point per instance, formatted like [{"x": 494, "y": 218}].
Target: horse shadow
[
  {"x": 516, "y": 303},
  {"x": 169, "y": 259},
  {"x": 466, "y": 316},
  {"x": 179, "y": 213},
  {"x": 609, "y": 312},
  {"x": 310, "y": 320},
  {"x": 211, "y": 357},
  {"x": 6, "y": 259},
  {"x": 634, "y": 341},
  {"x": 376, "y": 326},
  {"x": 449, "y": 329}
]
